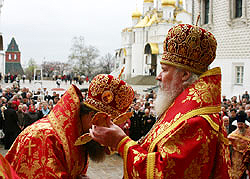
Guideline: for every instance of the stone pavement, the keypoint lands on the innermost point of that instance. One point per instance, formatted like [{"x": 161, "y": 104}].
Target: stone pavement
[{"x": 111, "y": 168}]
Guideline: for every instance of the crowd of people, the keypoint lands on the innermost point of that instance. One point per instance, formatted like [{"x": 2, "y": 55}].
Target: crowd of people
[
  {"x": 235, "y": 113},
  {"x": 22, "y": 107}
]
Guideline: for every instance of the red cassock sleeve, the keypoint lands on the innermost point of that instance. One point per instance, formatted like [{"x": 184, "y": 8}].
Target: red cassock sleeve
[{"x": 192, "y": 150}]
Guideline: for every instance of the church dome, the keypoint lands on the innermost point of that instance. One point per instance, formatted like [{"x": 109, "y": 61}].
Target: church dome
[
  {"x": 148, "y": 1},
  {"x": 180, "y": 2},
  {"x": 168, "y": 2},
  {"x": 136, "y": 14}
]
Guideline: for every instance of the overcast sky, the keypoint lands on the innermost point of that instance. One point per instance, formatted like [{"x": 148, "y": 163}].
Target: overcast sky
[{"x": 44, "y": 29}]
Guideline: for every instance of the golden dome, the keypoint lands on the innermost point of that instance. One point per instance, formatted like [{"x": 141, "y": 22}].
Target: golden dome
[
  {"x": 136, "y": 14},
  {"x": 149, "y": 1},
  {"x": 168, "y": 2},
  {"x": 180, "y": 2}
]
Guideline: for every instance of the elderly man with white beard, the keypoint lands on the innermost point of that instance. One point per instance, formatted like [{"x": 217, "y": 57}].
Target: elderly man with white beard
[{"x": 188, "y": 140}]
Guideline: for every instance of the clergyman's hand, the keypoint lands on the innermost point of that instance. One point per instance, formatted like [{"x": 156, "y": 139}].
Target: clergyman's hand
[{"x": 107, "y": 136}]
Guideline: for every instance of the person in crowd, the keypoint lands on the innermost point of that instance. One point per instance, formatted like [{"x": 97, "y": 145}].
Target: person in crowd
[
  {"x": 229, "y": 127},
  {"x": 239, "y": 139},
  {"x": 45, "y": 109},
  {"x": 11, "y": 128},
  {"x": 223, "y": 112},
  {"x": 56, "y": 99},
  {"x": 20, "y": 117},
  {"x": 8, "y": 94},
  {"x": 47, "y": 97},
  {"x": 50, "y": 106},
  {"x": 24, "y": 77},
  {"x": 32, "y": 116},
  {"x": 25, "y": 108},
  {"x": 136, "y": 123},
  {"x": 148, "y": 121},
  {"x": 47, "y": 148},
  {"x": 245, "y": 96},
  {"x": 188, "y": 140},
  {"x": 58, "y": 82},
  {"x": 232, "y": 117},
  {"x": 54, "y": 95},
  {"x": 39, "y": 110}
]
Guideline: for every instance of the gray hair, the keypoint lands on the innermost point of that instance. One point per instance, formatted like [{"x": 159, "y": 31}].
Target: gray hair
[{"x": 193, "y": 77}]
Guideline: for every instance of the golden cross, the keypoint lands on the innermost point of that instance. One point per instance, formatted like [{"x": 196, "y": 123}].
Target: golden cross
[{"x": 29, "y": 146}]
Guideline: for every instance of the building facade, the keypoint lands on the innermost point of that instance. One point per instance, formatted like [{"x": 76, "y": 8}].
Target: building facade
[
  {"x": 142, "y": 43},
  {"x": 2, "y": 66},
  {"x": 229, "y": 21}
]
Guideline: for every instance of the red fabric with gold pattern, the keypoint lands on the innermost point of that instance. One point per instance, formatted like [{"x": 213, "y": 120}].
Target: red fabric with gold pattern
[
  {"x": 6, "y": 171},
  {"x": 189, "y": 47},
  {"x": 110, "y": 95},
  {"x": 240, "y": 144},
  {"x": 46, "y": 148},
  {"x": 188, "y": 141}
]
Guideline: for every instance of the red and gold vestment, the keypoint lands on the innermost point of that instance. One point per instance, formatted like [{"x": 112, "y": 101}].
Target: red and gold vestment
[
  {"x": 188, "y": 141},
  {"x": 46, "y": 148},
  {"x": 240, "y": 144},
  {"x": 6, "y": 171}
]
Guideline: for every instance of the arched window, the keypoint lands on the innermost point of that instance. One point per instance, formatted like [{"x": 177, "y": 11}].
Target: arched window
[{"x": 9, "y": 57}]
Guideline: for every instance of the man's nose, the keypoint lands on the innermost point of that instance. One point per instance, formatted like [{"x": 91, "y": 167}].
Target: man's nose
[{"x": 158, "y": 77}]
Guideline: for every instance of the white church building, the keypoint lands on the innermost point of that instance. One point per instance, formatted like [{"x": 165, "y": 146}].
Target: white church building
[
  {"x": 229, "y": 21},
  {"x": 2, "y": 60},
  {"x": 142, "y": 43}
]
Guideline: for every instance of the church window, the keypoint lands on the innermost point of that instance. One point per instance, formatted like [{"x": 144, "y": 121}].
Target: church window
[
  {"x": 238, "y": 8},
  {"x": 146, "y": 60},
  {"x": 124, "y": 61},
  {"x": 10, "y": 57},
  {"x": 239, "y": 74},
  {"x": 15, "y": 57},
  {"x": 237, "y": 13},
  {"x": 206, "y": 12}
]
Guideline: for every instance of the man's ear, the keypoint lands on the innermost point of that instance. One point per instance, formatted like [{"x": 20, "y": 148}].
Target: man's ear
[{"x": 186, "y": 75}]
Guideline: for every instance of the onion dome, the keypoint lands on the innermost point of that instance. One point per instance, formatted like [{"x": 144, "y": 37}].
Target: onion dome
[
  {"x": 136, "y": 14},
  {"x": 168, "y": 2}
]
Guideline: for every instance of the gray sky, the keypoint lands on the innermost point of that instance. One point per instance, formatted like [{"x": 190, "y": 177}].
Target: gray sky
[{"x": 44, "y": 29}]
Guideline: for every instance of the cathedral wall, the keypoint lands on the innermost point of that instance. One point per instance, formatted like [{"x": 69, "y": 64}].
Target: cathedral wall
[
  {"x": 137, "y": 59},
  {"x": 233, "y": 49}
]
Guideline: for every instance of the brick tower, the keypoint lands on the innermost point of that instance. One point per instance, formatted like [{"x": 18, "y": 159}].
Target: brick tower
[{"x": 13, "y": 59}]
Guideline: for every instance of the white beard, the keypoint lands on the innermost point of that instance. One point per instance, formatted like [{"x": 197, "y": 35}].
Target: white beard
[{"x": 165, "y": 97}]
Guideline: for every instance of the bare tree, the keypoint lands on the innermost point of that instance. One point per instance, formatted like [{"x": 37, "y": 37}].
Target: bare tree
[
  {"x": 106, "y": 64},
  {"x": 49, "y": 67},
  {"x": 83, "y": 56}
]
